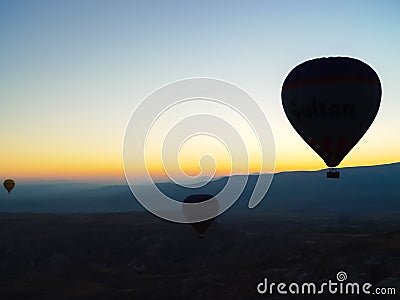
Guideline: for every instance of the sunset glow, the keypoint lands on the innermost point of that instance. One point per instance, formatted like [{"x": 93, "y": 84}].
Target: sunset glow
[{"x": 71, "y": 78}]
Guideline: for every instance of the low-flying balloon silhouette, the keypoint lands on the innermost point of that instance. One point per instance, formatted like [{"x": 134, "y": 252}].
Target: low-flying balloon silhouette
[
  {"x": 201, "y": 227},
  {"x": 331, "y": 102},
  {"x": 9, "y": 185}
]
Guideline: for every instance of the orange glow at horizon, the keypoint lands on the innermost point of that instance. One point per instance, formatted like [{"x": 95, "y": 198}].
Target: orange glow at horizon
[
  {"x": 200, "y": 156},
  {"x": 66, "y": 171},
  {"x": 61, "y": 163}
]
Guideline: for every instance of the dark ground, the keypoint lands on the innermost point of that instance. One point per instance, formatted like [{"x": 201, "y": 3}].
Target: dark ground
[{"x": 137, "y": 256}]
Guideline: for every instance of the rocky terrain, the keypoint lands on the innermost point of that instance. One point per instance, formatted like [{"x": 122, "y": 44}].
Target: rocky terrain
[{"x": 138, "y": 256}]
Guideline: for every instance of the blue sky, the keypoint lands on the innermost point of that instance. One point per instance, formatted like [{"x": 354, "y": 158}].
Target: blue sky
[{"x": 72, "y": 72}]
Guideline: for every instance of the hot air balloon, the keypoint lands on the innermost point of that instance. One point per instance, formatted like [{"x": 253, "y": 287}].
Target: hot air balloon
[
  {"x": 331, "y": 102},
  {"x": 201, "y": 227},
  {"x": 9, "y": 185}
]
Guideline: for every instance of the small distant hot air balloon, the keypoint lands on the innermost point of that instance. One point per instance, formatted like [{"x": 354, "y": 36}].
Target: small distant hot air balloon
[
  {"x": 331, "y": 102},
  {"x": 9, "y": 185},
  {"x": 202, "y": 226}
]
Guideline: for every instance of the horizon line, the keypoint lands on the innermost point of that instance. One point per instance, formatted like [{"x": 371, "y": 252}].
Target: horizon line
[{"x": 118, "y": 181}]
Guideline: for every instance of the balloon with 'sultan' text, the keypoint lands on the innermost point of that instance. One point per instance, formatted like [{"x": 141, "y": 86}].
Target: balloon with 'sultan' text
[{"x": 331, "y": 102}]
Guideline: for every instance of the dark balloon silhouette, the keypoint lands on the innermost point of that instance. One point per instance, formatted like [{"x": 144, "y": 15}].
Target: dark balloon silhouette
[
  {"x": 331, "y": 102},
  {"x": 9, "y": 185},
  {"x": 201, "y": 227}
]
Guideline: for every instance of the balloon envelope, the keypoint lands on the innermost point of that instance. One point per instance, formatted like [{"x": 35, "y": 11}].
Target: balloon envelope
[
  {"x": 201, "y": 227},
  {"x": 331, "y": 102},
  {"x": 9, "y": 185}
]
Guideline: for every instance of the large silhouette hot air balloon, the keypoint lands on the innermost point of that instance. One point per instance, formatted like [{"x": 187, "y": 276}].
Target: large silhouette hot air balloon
[
  {"x": 201, "y": 227},
  {"x": 9, "y": 185},
  {"x": 331, "y": 102}
]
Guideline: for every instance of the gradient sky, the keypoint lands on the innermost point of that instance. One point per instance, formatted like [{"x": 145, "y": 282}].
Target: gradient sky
[{"x": 72, "y": 72}]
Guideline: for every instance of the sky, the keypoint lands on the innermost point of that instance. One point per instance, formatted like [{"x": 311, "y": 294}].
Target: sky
[{"x": 72, "y": 73}]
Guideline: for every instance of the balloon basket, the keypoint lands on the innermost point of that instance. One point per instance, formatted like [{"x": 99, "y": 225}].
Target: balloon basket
[{"x": 332, "y": 173}]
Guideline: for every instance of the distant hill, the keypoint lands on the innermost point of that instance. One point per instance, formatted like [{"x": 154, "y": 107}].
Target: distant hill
[{"x": 359, "y": 190}]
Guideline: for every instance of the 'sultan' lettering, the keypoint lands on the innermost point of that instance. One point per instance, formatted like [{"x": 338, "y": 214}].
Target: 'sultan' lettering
[{"x": 318, "y": 109}]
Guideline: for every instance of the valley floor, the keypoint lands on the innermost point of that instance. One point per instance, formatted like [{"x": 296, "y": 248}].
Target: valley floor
[{"x": 138, "y": 256}]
